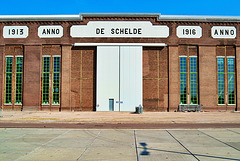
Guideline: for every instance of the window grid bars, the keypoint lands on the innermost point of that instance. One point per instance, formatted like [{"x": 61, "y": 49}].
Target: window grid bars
[
  {"x": 231, "y": 81},
  {"x": 19, "y": 72},
  {"x": 56, "y": 80},
  {"x": 8, "y": 81},
  {"x": 193, "y": 80},
  {"x": 183, "y": 80},
  {"x": 221, "y": 81},
  {"x": 45, "y": 85}
]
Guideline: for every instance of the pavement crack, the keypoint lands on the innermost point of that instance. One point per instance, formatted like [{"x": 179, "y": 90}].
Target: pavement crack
[
  {"x": 43, "y": 145},
  {"x": 182, "y": 145},
  {"x": 233, "y": 131},
  {"x": 219, "y": 140},
  {"x": 85, "y": 150}
]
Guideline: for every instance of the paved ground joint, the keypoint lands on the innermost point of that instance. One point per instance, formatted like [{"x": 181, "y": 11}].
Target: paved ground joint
[
  {"x": 219, "y": 140},
  {"x": 182, "y": 145}
]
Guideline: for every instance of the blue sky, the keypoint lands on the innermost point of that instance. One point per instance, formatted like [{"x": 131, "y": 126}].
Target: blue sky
[{"x": 165, "y": 7}]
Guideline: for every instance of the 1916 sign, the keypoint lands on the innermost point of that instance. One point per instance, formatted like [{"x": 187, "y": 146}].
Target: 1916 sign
[{"x": 189, "y": 31}]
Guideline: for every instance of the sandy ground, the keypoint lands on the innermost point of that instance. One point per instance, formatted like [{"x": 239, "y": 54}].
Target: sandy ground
[{"x": 118, "y": 117}]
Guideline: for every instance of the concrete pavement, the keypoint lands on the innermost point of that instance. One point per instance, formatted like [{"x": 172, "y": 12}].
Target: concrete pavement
[{"x": 100, "y": 144}]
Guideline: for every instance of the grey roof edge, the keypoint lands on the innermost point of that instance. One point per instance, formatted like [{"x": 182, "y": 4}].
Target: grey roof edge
[
  {"x": 120, "y": 15},
  {"x": 38, "y": 17},
  {"x": 81, "y": 15},
  {"x": 199, "y": 18}
]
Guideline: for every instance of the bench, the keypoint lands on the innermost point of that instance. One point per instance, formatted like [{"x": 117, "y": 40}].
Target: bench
[{"x": 194, "y": 108}]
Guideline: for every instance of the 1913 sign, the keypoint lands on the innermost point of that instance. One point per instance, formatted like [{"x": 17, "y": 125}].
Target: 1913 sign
[{"x": 15, "y": 31}]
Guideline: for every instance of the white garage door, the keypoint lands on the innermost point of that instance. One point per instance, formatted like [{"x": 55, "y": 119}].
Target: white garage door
[{"x": 119, "y": 78}]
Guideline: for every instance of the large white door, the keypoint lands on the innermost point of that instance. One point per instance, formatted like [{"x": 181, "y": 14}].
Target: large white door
[
  {"x": 130, "y": 77},
  {"x": 119, "y": 78},
  {"x": 107, "y": 78}
]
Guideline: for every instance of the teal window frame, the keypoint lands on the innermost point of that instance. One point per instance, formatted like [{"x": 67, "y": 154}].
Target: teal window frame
[
  {"x": 8, "y": 80},
  {"x": 56, "y": 80},
  {"x": 193, "y": 80},
  {"x": 183, "y": 79},
  {"x": 45, "y": 80},
  {"x": 231, "y": 80},
  {"x": 18, "y": 80},
  {"x": 221, "y": 80}
]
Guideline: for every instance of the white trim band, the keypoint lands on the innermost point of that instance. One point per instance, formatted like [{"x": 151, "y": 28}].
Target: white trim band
[
  {"x": 183, "y": 56},
  {"x": 220, "y": 56},
  {"x": 120, "y": 44},
  {"x": 19, "y": 56},
  {"x": 230, "y": 56},
  {"x": 192, "y": 56}
]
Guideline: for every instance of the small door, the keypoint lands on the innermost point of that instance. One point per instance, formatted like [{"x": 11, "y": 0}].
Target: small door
[{"x": 111, "y": 104}]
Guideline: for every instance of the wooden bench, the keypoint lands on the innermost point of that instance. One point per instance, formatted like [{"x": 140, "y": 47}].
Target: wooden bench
[{"x": 194, "y": 108}]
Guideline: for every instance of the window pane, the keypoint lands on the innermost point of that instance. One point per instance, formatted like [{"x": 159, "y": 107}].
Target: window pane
[
  {"x": 221, "y": 83},
  {"x": 231, "y": 81},
  {"x": 8, "y": 79},
  {"x": 45, "y": 80},
  {"x": 19, "y": 69},
  {"x": 56, "y": 79},
  {"x": 183, "y": 80},
  {"x": 193, "y": 80},
  {"x": 220, "y": 62}
]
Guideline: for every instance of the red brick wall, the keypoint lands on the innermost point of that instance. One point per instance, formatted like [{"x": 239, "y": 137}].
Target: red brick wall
[
  {"x": 155, "y": 79},
  {"x": 31, "y": 89},
  {"x": 174, "y": 89},
  {"x": 83, "y": 78},
  {"x": 208, "y": 78},
  {"x": 66, "y": 78}
]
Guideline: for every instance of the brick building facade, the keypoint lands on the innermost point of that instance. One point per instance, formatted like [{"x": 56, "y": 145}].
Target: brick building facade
[{"x": 47, "y": 64}]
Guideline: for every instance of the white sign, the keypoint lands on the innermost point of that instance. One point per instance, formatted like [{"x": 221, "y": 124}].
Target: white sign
[
  {"x": 50, "y": 31},
  {"x": 15, "y": 31},
  {"x": 189, "y": 31},
  {"x": 119, "y": 29},
  {"x": 224, "y": 32}
]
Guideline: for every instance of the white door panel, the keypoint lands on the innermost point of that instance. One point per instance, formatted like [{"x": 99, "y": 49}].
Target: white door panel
[
  {"x": 107, "y": 77},
  {"x": 119, "y": 75},
  {"x": 130, "y": 77}
]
